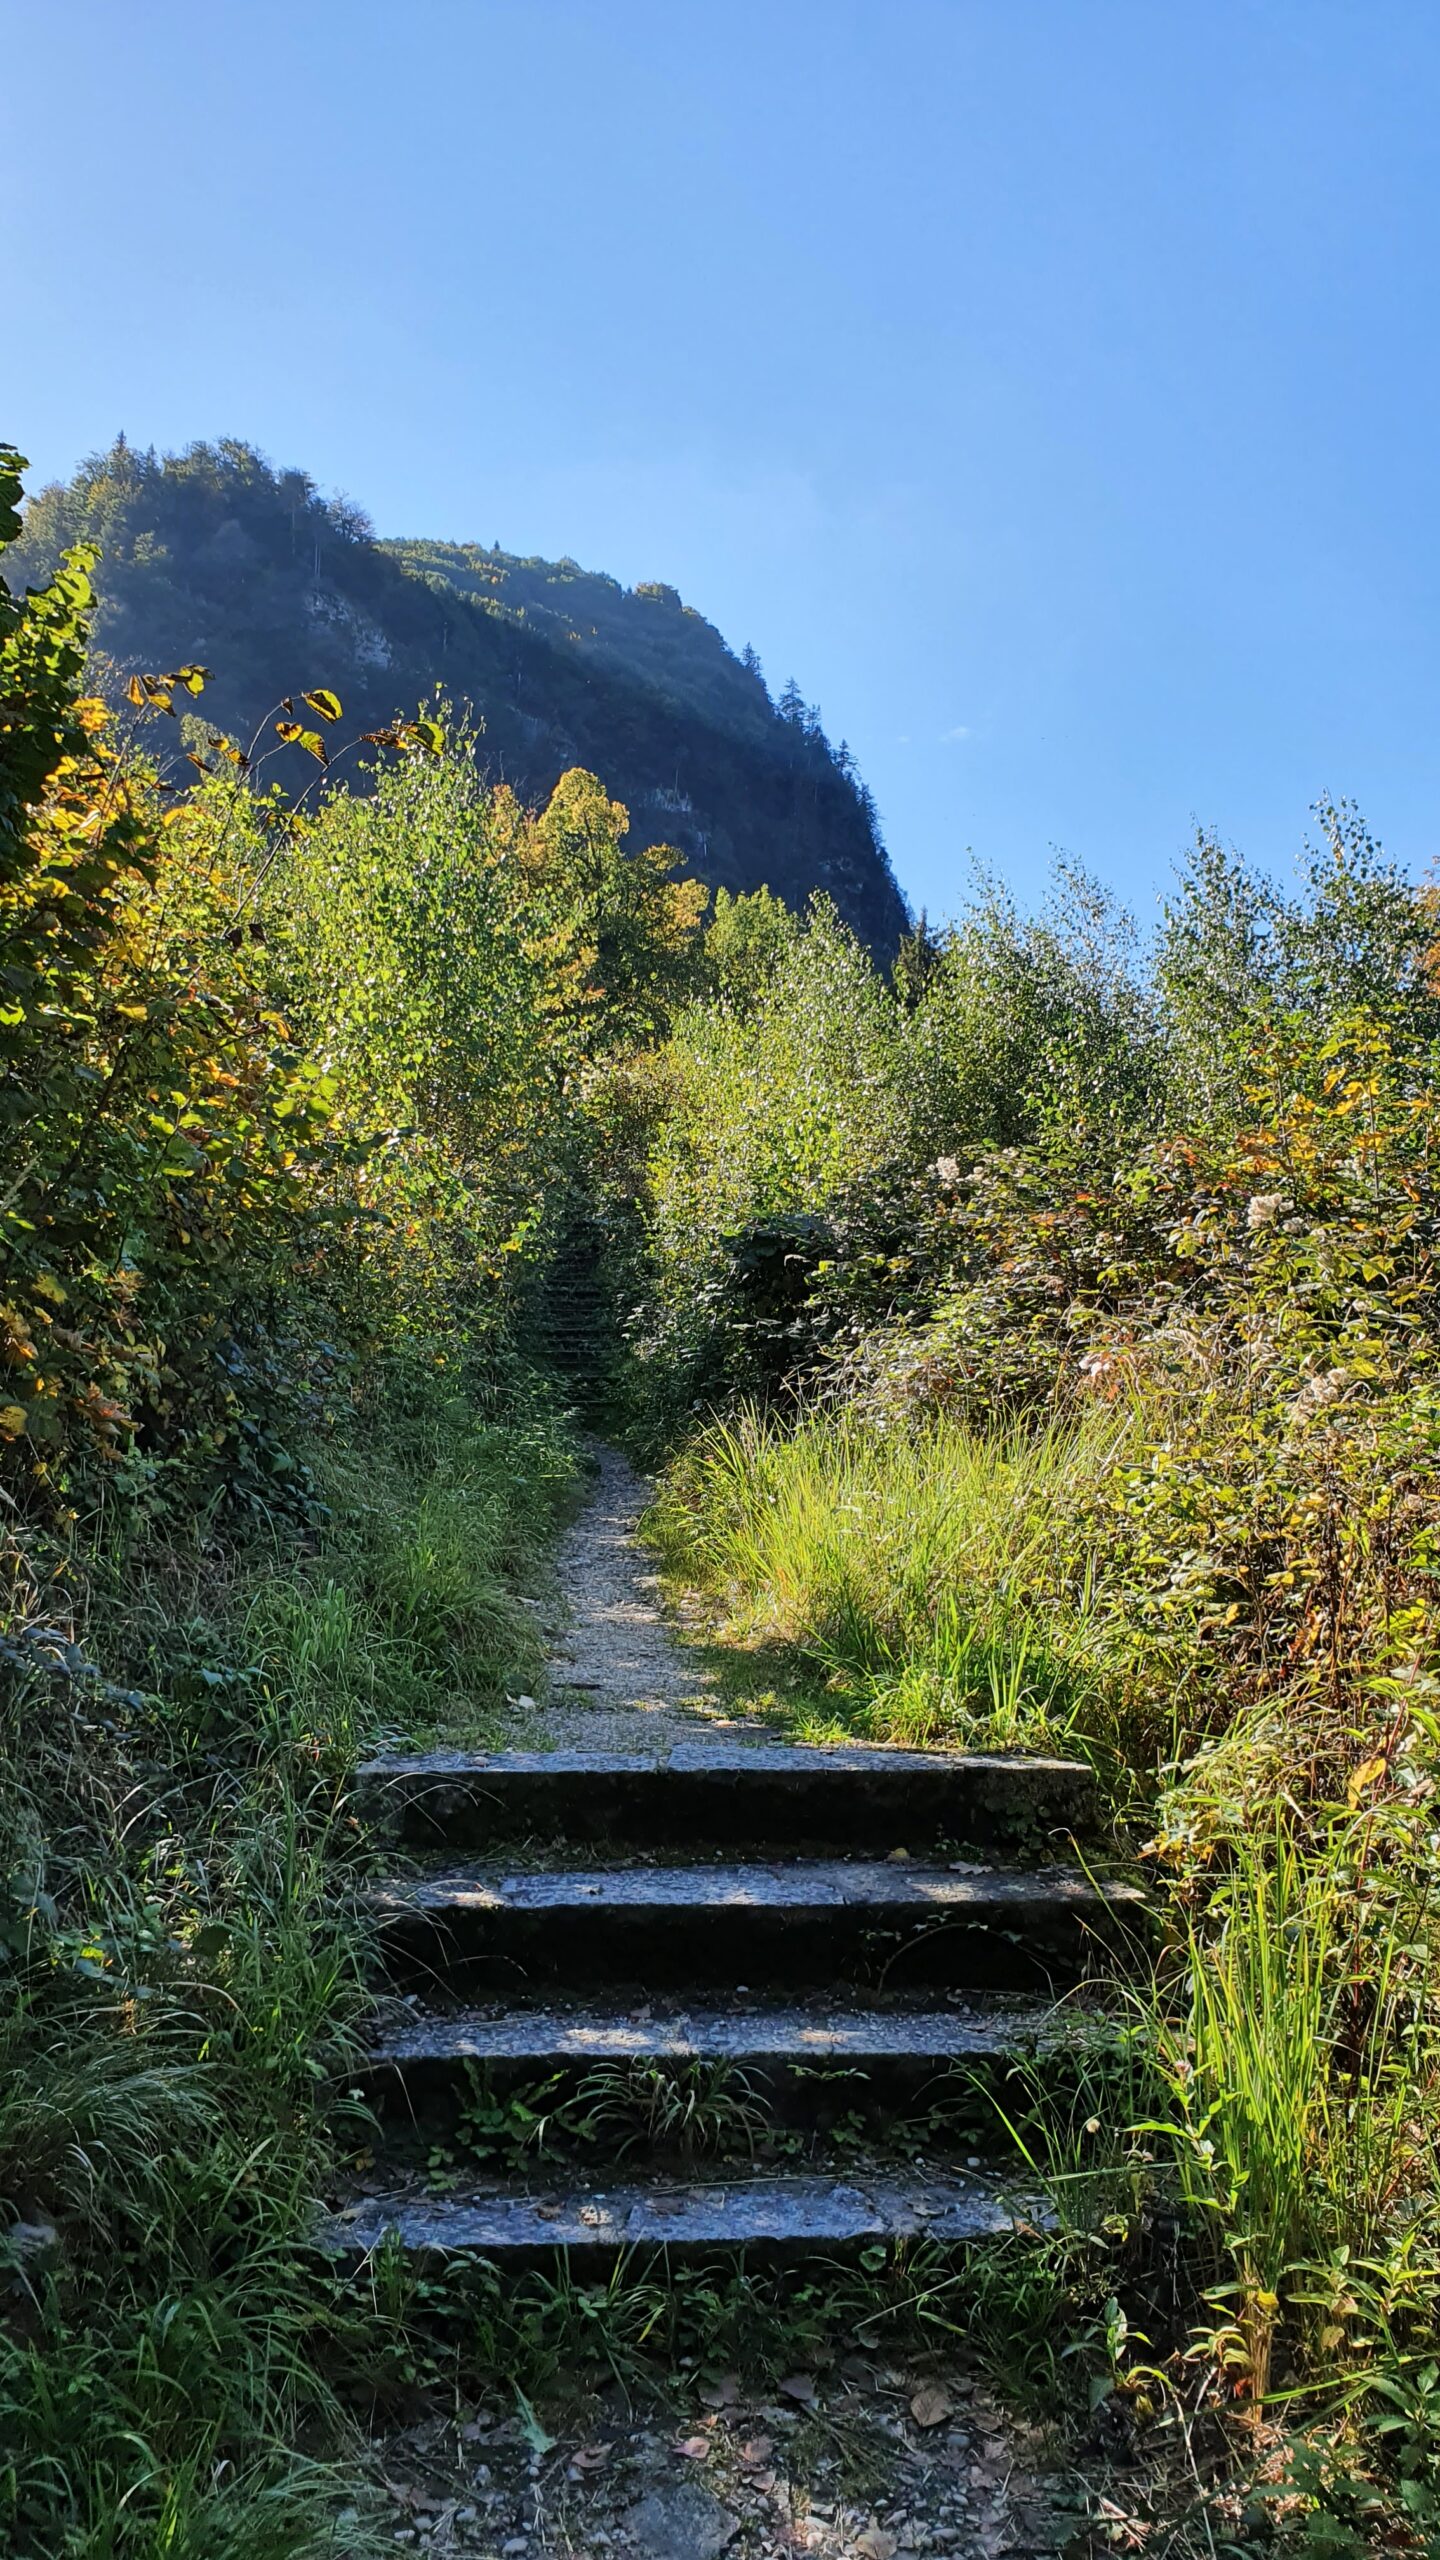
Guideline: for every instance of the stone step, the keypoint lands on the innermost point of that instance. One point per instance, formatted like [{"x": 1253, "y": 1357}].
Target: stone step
[
  {"x": 805, "y": 1924},
  {"x": 426, "y": 2060},
  {"x": 732, "y": 1794},
  {"x": 768, "y": 2218}
]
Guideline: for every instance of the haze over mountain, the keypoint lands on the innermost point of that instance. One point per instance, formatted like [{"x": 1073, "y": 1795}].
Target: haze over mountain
[{"x": 212, "y": 555}]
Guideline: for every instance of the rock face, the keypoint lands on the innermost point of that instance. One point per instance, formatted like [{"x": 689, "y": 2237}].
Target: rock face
[{"x": 211, "y": 556}]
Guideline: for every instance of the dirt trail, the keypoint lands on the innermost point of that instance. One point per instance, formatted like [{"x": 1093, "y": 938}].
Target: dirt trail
[{"x": 619, "y": 1680}]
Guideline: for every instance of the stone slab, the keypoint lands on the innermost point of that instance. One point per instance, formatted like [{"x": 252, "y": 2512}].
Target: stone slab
[
  {"x": 888, "y": 1885},
  {"x": 731, "y": 1793},
  {"x": 803, "y": 1925},
  {"x": 773, "y": 2216},
  {"x": 543, "y": 2039}
]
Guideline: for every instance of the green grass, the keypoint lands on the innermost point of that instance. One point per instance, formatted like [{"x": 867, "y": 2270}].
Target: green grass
[
  {"x": 1298, "y": 2057},
  {"x": 164, "y": 2113},
  {"x": 919, "y": 1585},
  {"x": 927, "y": 1582},
  {"x": 559, "y": 2334},
  {"x": 409, "y": 1619},
  {"x": 184, "y": 1952}
]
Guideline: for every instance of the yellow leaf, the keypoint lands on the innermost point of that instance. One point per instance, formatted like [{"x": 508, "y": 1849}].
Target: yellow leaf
[
  {"x": 12, "y": 1420},
  {"x": 1364, "y": 1777}
]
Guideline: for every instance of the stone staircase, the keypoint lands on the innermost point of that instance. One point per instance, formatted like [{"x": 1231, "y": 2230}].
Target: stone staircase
[
  {"x": 571, "y": 1328},
  {"x": 837, "y": 1933}
]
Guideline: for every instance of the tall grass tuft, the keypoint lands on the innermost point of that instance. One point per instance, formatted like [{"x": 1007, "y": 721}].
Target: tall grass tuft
[
  {"x": 1300, "y": 2072},
  {"x": 936, "y": 1575}
]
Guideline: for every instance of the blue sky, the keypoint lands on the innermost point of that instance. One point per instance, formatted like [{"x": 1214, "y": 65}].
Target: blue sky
[{"x": 1050, "y": 385}]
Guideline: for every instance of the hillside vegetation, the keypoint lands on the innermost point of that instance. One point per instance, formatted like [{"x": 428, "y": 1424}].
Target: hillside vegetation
[
  {"x": 211, "y": 556},
  {"x": 1050, "y": 1338},
  {"x": 1037, "y": 1340}
]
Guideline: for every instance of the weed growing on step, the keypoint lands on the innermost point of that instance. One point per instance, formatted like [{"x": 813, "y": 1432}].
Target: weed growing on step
[
  {"x": 682, "y": 2111},
  {"x": 509, "y": 2130},
  {"x": 671, "y": 2115},
  {"x": 401, "y": 2328}
]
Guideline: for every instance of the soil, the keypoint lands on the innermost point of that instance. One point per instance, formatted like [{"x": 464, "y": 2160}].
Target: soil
[{"x": 842, "y": 2468}]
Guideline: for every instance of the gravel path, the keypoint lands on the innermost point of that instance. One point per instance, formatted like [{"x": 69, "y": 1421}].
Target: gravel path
[
  {"x": 619, "y": 1681},
  {"x": 836, "y": 2466}
]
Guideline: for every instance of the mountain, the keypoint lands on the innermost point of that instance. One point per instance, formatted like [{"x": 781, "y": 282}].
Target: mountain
[{"x": 213, "y": 556}]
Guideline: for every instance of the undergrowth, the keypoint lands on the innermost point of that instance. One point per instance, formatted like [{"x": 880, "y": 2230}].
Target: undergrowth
[
  {"x": 408, "y": 1619},
  {"x": 560, "y": 2333},
  {"x": 1121, "y": 1441},
  {"x": 184, "y": 1990}
]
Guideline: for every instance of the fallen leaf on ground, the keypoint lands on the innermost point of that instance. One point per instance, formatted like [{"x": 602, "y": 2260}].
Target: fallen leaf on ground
[
  {"x": 764, "y": 2481},
  {"x": 801, "y": 2387},
  {"x": 694, "y": 2448},
  {"x": 722, "y": 2394},
  {"x": 931, "y": 2404},
  {"x": 589, "y": 2457},
  {"x": 418, "y": 2501},
  {"x": 876, "y": 2543},
  {"x": 758, "y": 2449}
]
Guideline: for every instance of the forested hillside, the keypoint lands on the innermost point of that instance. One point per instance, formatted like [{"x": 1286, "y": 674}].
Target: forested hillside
[
  {"x": 211, "y": 556},
  {"x": 1036, "y": 1343}
]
